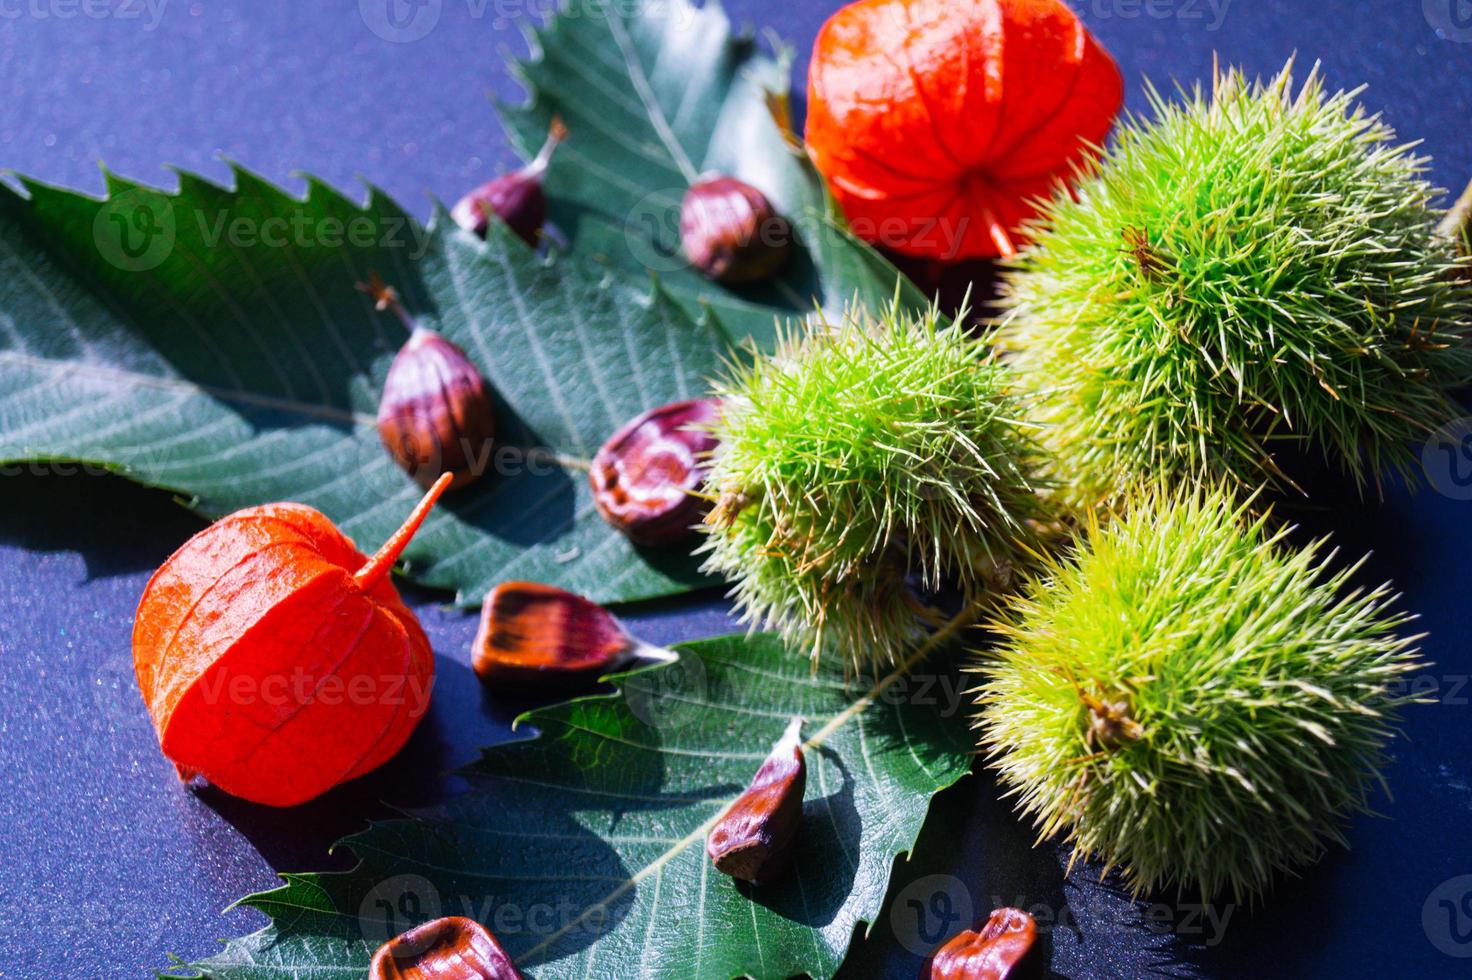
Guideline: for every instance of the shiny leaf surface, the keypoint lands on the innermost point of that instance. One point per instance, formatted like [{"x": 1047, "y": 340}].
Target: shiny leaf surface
[{"x": 583, "y": 849}]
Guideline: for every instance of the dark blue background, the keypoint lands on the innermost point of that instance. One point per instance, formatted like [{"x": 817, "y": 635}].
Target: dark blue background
[{"x": 106, "y": 863}]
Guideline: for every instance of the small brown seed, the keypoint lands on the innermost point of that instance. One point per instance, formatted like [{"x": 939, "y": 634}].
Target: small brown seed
[
  {"x": 645, "y": 478},
  {"x": 453, "y": 948},
  {"x": 731, "y": 232},
  {"x": 435, "y": 414},
  {"x": 1004, "y": 949},
  {"x": 515, "y": 198},
  {"x": 753, "y": 839},
  {"x": 537, "y": 639}
]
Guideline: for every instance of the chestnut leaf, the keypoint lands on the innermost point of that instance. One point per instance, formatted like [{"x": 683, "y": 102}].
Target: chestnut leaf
[
  {"x": 583, "y": 849},
  {"x": 655, "y": 95},
  {"x": 211, "y": 342}
]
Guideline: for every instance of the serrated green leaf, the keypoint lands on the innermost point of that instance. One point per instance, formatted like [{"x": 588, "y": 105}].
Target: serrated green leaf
[
  {"x": 654, "y": 95},
  {"x": 583, "y": 849},
  {"x": 212, "y": 342}
]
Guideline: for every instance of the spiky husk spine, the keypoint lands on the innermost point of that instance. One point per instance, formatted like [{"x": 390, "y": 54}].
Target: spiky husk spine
[
  {"x": 869, "y": 460},
  {"x": 1190, "y": 701},
  {"x": 1255, "y": 266}
]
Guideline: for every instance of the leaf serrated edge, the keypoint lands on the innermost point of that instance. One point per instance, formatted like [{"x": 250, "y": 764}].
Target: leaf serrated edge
[
  {"x": 261, "y": 901},
  {"x": 319, "y": 195}
]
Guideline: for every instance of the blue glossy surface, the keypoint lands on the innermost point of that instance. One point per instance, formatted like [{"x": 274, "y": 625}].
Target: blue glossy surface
[{"x": 107, "y": 864}]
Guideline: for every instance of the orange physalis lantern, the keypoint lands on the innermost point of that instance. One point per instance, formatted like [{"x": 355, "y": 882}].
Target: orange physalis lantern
[
  {"x": 937, "y": 122},
  {"x": 278, "y": 661}
]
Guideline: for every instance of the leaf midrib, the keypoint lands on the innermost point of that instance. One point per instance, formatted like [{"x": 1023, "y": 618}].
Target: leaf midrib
[
  {"x": 861, "y": 704},
  {"x": 327, "y": 413},
  {"x": 139, "y": 379},
  {"x": 642, "y": 88}
]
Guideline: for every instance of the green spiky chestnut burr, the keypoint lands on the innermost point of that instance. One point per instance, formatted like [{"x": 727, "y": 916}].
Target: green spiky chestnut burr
[
  {"x": 867, "y": 461},
  {"x": 1187, "y": 700},
  {"x": 1255, "y": 266}
]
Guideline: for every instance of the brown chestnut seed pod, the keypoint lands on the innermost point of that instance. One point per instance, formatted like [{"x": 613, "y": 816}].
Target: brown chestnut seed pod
[
  {"x": 515, "y": 198},
  {"x": 731, "y": 232},
  {"x": 753, "y": 839},
  {"x": 452, "y": 948},
  {"x": 435, "y": 414},
  {"x": 536, "y": 639},
  {"x": 646, "y": 477},
  {"x": 1004, "y": 949}
]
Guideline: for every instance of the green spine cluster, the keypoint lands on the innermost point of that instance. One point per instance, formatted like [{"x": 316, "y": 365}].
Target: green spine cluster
[
  {"x": 1255, "y": 266},
  {"x": 1189, "y": 701},
  {"x": 864, "y": 463}
]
